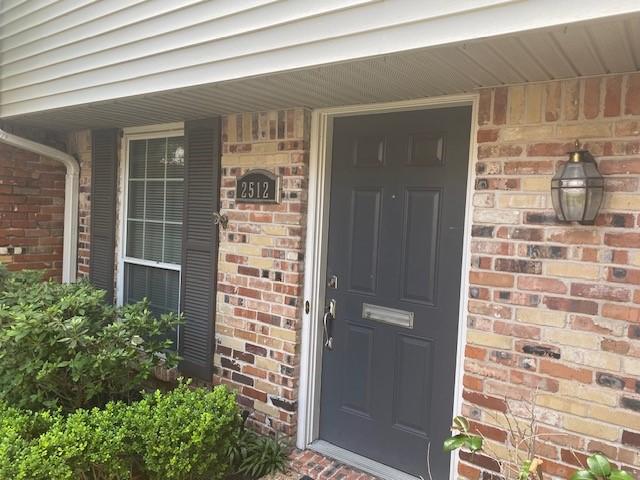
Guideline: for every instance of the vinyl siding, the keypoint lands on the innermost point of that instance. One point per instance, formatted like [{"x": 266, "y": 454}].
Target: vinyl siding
[{"x": 66, "y": 52}]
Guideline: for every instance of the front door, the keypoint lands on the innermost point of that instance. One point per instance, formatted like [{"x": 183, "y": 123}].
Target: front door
[{"x": 398, "y": 187}]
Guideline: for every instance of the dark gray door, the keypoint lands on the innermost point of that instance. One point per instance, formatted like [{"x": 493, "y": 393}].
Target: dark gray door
[{"x": 398, "y": 187}]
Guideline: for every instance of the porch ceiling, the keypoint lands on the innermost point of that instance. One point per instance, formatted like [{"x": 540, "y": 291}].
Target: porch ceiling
[{"x": 594, "y": 48}]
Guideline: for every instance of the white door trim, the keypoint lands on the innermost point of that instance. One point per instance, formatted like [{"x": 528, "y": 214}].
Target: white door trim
[{"x": 316, "y": 253}]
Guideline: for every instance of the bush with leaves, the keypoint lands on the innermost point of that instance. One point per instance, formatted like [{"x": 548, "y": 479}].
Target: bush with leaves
[
  {"x": 255, "y": 456},
  {"x": 185, "y": 434},
  {"x": 180, "y": 435},
  {"x": 63, "y": 346},
  {"x": 4, "y": 274},
  {"x": 526, "y": 466},
  {"x": 88, "y": 444},
  {"x": 18, "y": 430},
  {"x": 598, "y": 467}
]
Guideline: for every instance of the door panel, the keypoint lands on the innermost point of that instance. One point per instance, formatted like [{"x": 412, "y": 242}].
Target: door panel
[
  {"x": 395, "y": 243},
  {"x": 420, "y": 242},
  {"x": 365, "y": 233},
  {"x": 356, "y": 380},
  {"x": 411, "y": 401}
]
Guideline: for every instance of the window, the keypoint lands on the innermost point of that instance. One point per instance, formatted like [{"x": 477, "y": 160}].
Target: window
[{"x": 153, "y": 222}]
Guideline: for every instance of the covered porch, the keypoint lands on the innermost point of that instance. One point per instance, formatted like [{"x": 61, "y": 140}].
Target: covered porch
[{"x": 543, "y": 306}]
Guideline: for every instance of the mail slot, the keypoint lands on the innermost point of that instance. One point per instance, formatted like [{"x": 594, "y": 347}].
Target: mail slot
[{"x": 391, "y": 316}]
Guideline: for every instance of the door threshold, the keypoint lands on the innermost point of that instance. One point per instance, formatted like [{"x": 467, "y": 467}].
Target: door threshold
[{"x": 358, "y": 461}]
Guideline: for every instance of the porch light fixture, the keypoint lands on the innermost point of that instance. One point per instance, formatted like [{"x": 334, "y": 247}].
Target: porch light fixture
[{"x": 578, "y": 188}]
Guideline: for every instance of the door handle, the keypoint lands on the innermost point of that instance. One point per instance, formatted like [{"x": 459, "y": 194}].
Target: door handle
[{"x": 327, "y": 320}]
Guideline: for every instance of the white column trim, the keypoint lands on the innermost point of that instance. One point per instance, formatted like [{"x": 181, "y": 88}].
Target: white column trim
[{"x": 71, "y": 196}]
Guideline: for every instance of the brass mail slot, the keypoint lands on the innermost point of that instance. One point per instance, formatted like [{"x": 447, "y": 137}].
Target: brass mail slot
[{"x": 392, "y": 316}]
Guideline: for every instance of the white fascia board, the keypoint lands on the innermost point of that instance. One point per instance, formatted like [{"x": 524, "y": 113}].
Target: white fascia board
[{"x": 508, "y": 17}]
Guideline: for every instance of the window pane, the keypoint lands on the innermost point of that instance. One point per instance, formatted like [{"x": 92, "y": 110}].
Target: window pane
[
  {"x": 160, "y": 287},
  {"x": 175, "y": 157},
  {"x": 137, "y": 154},
  {"x": 155, "y": 200},
  {"x": 136, "y": 199},
  {"x": 172, "y": 294},
  {"x": 155, "y": 197},
  {"x": 173, "y": 243},
  {"x": 134, "y": 239},
  {"x": 156, "y": 157},
  {"x": 136, "y": 283},
  {"x": 175, "y": 201},
  {"x": 153, "y": 241}
]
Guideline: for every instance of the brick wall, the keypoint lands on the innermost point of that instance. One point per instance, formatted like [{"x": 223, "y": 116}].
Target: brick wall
[
  {"x": 554, "y": 307},
  {"x": 261, "y": 267},
  {"x": 31, "y": 211},
  {"x": 79, "y": 145}
]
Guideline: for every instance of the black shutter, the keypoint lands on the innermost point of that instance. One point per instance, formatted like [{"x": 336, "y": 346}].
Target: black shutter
[
  {"x": 199, "y": 246},
  {"x": 104, "y": 154}
]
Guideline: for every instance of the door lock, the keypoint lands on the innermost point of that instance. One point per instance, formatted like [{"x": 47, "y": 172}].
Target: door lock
[{"x": 327, "y": 323}]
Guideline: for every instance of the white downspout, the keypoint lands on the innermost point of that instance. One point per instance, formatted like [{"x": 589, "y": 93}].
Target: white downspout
[{"x": 71, "y": 195}]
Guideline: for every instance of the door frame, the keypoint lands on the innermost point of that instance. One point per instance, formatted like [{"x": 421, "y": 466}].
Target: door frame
[{"x": 315, "y": 264}]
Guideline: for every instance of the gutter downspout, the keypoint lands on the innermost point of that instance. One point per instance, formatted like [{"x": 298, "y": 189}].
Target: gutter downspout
[{"x": 71, "y": 195}]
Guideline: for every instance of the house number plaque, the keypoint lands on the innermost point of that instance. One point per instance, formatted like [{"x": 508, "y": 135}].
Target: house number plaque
[{"x": 258, "y": 186}]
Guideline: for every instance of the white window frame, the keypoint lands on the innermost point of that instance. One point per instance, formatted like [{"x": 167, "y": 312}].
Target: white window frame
[{"x": 129, "y": 134}]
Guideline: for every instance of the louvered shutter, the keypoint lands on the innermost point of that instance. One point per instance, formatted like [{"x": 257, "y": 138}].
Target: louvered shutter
[
  {"x": 104, "y": 153},
  {"x": 200, "y": 246}
]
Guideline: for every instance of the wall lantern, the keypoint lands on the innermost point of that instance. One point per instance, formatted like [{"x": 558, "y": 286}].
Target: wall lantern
[{"x": 578, "y": 188}]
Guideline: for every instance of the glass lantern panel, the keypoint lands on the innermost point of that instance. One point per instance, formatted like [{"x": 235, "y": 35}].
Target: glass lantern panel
[
  {"x": 555, "y": 200},
  {"x": 573, "y": 203},
  {"x": 594, "y": 199}
]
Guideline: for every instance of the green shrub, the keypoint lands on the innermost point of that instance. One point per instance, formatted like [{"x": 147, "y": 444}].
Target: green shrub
[
  {"x": 187, "y": 433},
  {"x": 256, "y": 456},
  {"x": 88, "y": 444},
  {"x": 63, "y": 346},
  {"x": 4, "y": 274},
  {"x": 18, "y": 430},
  {"x": 177, "y": 435}
]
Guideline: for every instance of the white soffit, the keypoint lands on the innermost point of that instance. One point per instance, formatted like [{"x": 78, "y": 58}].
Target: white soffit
[{"x": 595, "y": 48}]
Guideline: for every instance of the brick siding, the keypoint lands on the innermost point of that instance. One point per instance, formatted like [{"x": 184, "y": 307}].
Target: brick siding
[
  {"x": 555, "y": 307},
  {"x": 79, "y": 145},
  {"x": 260, "y": 261},
  {"x": 31, "y": 211},
  {"x": 552, "y": 307},
  {"x": 260, "y": 267}
]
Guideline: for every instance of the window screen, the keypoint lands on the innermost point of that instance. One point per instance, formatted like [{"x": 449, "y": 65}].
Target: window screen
[{"x": 153, "y": 246}]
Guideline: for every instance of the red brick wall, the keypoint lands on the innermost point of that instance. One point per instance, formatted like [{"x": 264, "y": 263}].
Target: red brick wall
[
  {"x": 556, "y": 307},
  {"x": 552, "y": 307},
  {"x": 79, "y": 145},
  {"x": 31, "y": 211},
  {"x": 261, "y": 267},
  {"x": 260, "y": 262}
]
